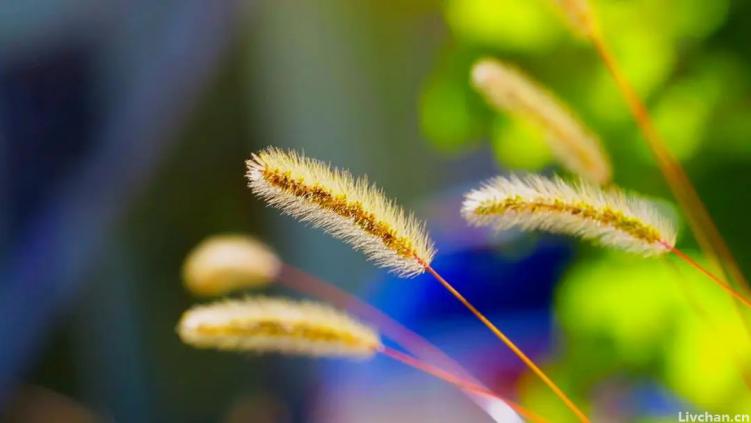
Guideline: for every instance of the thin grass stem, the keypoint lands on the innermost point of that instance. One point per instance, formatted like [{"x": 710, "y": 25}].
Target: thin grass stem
[
  {"x": 721, "y": 283},
  {"x": 510, "y": 344},
  {"x": 454, "y": 380}
]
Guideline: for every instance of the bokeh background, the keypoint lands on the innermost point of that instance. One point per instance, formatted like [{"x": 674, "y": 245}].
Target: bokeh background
[{"x": 123, "y": 130}]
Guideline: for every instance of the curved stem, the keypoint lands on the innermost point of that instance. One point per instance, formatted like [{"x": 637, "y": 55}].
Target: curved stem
[
  {"x": 454, "y": 380},
  {"x": 510, "y": 344},
  {"x": 306, "y": 283}
]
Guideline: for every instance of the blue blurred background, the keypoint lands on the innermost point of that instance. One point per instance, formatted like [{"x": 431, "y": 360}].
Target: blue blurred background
[{"x": 123, "y": 130}]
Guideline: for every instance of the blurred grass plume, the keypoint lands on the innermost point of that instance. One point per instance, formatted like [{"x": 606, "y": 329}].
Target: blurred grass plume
[
  {"x": 224, "y": 263},
  {"x": 262, "y": 324}
]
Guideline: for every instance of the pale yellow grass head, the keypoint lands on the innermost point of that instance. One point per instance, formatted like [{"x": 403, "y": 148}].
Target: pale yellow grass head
[
  {"x": 509, "y": 90},
  {"x": 608, "y": 217},
  {"x": 261, "y": 324},
  {"x": 348, "y": 208},
  {"x": 224, "y": 263}
]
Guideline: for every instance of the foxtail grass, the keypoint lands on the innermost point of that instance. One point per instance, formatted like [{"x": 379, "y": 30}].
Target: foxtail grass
[
  {"x": 608, "y": 217},
  {"x": 358, "y": 213},
  {"x": 532, "y": 202},
  {"x": 576, "y": 147},
  {"x": 348, "y": 208}
]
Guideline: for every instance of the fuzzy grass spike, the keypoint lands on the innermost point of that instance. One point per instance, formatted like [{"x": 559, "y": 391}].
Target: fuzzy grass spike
[
  {"x": 576, "y": 147},
  {"x": 348, "y": 208},
  {"x": 608, "y": 217}
]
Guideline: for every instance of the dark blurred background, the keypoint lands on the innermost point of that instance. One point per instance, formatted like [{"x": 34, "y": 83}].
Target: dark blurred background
[{"x": 124, "y": 125}]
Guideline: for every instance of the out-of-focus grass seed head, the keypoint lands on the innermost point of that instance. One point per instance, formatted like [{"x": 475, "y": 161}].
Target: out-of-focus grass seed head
[
  {"x": 261, "y": 324},
  {"x": 224, "y": 263}
]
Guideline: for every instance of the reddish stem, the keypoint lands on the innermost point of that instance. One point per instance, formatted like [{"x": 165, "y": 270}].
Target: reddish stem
[
  {"x": 722, "y": 284},
  {"x": 454, "y": 380},
  {"x": 510, "y": 344}
]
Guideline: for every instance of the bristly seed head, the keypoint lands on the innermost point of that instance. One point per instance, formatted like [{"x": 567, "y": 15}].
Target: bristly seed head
[
  {"x": 576, "y": 147},
  {"x": 610, "y": 217},
  {"x": 348, "y": 208},
  {"x": 277, "y": 325}
]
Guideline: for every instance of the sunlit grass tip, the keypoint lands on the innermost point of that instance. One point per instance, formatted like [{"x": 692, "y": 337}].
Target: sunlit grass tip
[
  {"x": 221, "y": 264},
  {"x": 348, "y": 208},
  {"x": 580, "y": 17},
  {"x": 508, "y": 89},
  {"x": 262, "y": 324},
  {"x": 608, "y": 217}
]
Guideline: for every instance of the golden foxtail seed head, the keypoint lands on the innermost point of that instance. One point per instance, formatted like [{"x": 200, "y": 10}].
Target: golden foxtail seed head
[
  {"x": 577, "y": 148},
  {"x": 224, "y": 263},
  {"x": 277, "y": 325},
  {"x": 610, "y": 217},
  {"x": 348, "y": 208}
]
